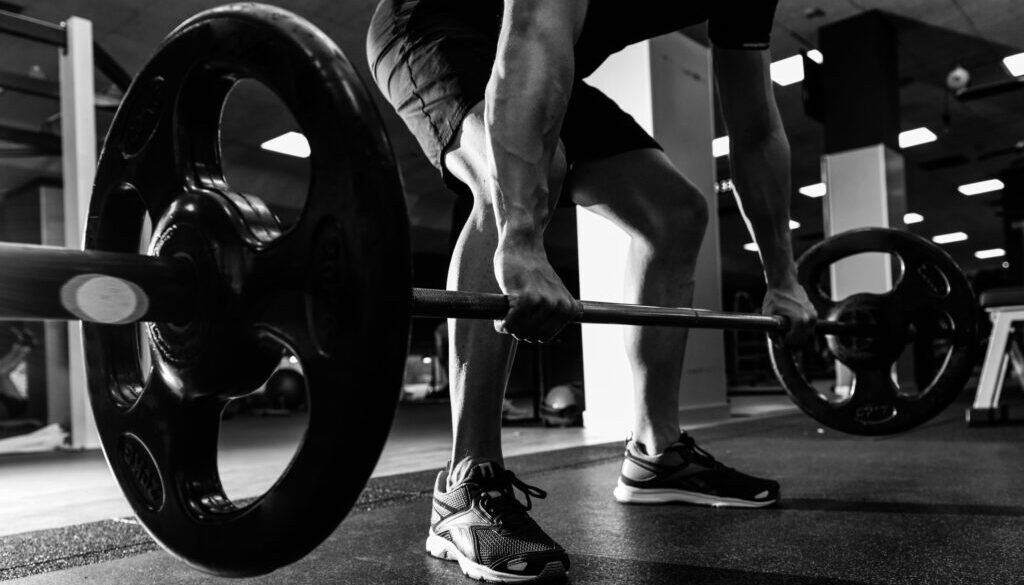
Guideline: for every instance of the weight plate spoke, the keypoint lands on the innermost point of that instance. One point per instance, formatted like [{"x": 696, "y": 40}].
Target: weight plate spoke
[
  {"x": 180, "y": 438},
  {"x": 874, "y": 396}
]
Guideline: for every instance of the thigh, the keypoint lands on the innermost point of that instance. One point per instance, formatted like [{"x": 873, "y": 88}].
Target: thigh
[{"x": 638, "y": 190}]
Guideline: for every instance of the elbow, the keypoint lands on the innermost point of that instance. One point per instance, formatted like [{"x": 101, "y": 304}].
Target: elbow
[{"x": 770, "y": 138}]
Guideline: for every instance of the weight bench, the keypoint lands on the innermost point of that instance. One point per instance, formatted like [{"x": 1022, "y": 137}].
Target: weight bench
[{"x": 1005, "y": 307}]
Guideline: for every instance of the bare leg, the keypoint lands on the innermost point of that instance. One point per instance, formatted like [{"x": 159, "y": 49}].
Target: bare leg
[
  {"x": 665, "y": 217},
  {"x": 479, "y": 357}
]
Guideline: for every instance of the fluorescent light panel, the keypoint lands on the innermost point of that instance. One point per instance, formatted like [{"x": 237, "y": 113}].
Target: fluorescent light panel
[
  {"x": 1014, "y": 64},
  {"x": 816, "y": 56},
  {"x": 720, "y": 146},
  {"x": 909, "y": 218},
  {"x": 290, "y": 143},
  {"x": 750, "y": 247},
  {"x": 815, "y": 190},
  {"x": 992, "y": 253},
  {"x": 981, "y": 187},
  {"x": 949, "y": 238},
  {"x": 917, "y": 136},
  {"x": 788, "y": 71},
  {"x": 793, "y": 224}
]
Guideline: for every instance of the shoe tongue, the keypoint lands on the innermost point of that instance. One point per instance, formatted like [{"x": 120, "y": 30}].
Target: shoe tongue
[{"x": 473, "y": 469}]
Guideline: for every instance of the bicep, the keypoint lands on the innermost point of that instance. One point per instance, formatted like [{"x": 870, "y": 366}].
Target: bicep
[{"x": 745, "y": 92}]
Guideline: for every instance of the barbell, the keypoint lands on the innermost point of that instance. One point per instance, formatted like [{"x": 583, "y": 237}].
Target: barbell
[{"x": 221, "y": 288}]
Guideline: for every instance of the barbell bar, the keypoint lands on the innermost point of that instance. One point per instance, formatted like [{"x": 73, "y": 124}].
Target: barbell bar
[
  {"x": 51, "y": 283},
  {"x": 474, "y": 305}
]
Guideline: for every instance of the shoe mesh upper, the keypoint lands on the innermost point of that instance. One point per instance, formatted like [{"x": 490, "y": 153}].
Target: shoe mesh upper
[
  {"x": 501, "y": 528},
  {"x": 494, "y": 545}
]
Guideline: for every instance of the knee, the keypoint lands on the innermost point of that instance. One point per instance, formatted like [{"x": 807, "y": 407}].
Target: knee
[{"x": 676, "y": 214}]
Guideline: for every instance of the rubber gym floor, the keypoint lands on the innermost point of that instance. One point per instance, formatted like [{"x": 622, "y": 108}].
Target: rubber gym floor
[{"x": 938, "y": 505}]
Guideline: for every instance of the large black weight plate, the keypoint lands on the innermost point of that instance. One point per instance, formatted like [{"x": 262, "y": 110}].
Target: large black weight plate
[
  {"x": 333, "y": 289},
  {"x": 932, "y": 298}
]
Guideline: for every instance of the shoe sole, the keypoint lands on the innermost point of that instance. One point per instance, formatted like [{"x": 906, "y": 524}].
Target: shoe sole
[
  {"x": 440, "y": 548},
  {"x": 631, "y": 495}
]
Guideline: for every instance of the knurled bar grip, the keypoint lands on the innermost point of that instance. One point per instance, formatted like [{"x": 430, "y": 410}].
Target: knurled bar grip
[{"x": 472, "y": 305}]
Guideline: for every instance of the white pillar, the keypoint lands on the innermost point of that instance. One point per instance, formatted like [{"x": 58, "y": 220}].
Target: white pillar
[
  {"x": 865, "y": 187},
  {"x": 666, "y": 85},
  {"x": 58, "y": 397},
  {"x": 78, "y": 142}
]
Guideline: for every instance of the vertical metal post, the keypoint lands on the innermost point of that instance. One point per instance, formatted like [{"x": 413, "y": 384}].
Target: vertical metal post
[
  {"x": 862, "y": 168},
  {"x": 78, "y": 140},
  {"x": 55, "y": 341}
]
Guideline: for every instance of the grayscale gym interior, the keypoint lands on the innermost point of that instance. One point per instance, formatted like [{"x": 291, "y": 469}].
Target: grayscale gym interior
[{"x": 907, "y": 116}]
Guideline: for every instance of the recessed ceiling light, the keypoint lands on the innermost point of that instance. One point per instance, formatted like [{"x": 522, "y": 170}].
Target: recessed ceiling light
[
  {"x": 917, "y": 136},
  {"x": 815, "y": 190},
  {"x": 949, "y": 238},
  {"x": 788, "y": 71},
  {"x": 909, "y": 218},
  {"x": 750, "y": 247},
  {"x": 793, "y": 224},
  {"x": 1014, "y": 64},
  {"x": 981, "y": 187},
  {"x": 720, "y": 146},
  {"x": 290, "y": 143},
  {"x": 993, "y": 253},
  {"x": 816, "y": 56}
]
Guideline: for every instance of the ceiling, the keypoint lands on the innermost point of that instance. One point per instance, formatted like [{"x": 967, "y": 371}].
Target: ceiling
[{"x": 934, "y": 36}]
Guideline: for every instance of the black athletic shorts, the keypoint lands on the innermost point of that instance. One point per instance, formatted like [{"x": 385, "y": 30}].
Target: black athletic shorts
[{"x": 432, "y": 60}]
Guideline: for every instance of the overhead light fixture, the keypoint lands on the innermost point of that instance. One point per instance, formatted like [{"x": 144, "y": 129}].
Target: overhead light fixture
[
  {"x": 909, "y": 218},
  {"x": 916, "y": 137},
  {"x": 815, "y": 190},
  {"x": 290, "y": 143},
  {"x": 720, "y": 146},
  {"x": 993, "y": 253},
  {"x": 949, "y": 238},
  {"x": 788, "y": 71},
  {"x": 1014, "y": 64},
  {"x": 793, "y": 224},
  {"x": 981, "y": 187},
  {"x": 816, "y": 56},
  {"x": 750, "y": 247}
]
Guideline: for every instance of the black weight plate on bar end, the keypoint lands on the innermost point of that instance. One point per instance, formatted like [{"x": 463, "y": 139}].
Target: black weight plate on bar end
[
  {"x": 931, "y": 288},
  {"x": 159, "y": 427}
]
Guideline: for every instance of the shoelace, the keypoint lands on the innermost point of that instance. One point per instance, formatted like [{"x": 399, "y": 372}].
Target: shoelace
[{"x": 507, "y": 510}]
